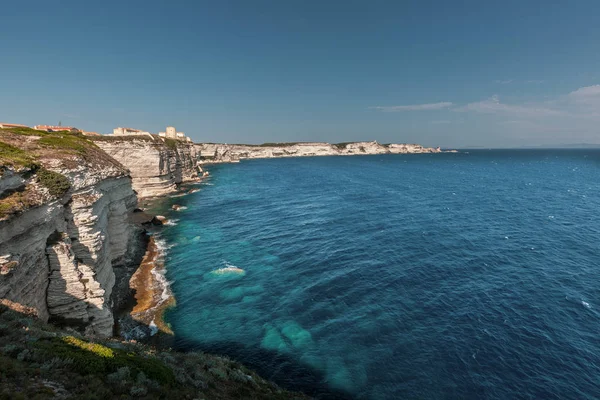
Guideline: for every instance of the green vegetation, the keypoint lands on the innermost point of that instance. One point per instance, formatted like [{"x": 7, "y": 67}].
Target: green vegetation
[
  {"x": 11, "y": 155},
  {"x": 341, "y": 146},
  {"x": 27, "y": 196},
  {"x": 94, "y": 358},
  {"x": 171, "y": 144},
  {"x": 72, "y": 149},
  {"x": 24, "y": 131},
  {"x": 287, "y": 144},
  {"x": 125, "y": 138},
  {"x": 67, "y": 141},
  {"x": 57, "y": 184},
  {"x": 39, "y": 361},
  {"x": 18, "y": 201}
]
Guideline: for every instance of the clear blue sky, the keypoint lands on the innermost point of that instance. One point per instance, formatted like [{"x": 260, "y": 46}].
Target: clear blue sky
[{"x": 449, "y": 73}]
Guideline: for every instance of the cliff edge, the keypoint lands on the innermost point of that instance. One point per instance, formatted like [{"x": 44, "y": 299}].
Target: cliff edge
[
  {"x": 64, "y": 206},
  {"x": 157, "y": 165}
]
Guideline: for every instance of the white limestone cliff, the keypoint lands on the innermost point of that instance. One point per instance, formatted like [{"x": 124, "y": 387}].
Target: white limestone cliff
[
  {"x": 156, "y": 166},
  {"x": 214, "y": 152},
  {"x": 59, "y": 257}
]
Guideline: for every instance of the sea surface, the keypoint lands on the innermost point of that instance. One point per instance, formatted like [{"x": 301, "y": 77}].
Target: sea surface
[{"x": 438, "y": 276}]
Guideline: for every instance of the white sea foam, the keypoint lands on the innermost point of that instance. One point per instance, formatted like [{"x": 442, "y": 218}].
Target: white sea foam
[
  {"x": 586, "y": 304},
  {"x": 229, "y": 269},
  {"x": 153, "y": 328},
  {"x": 159, "y": 275},
  {"x": 163, "y": 283},
  {"x": 171, "y": 222},
  {"x": 161, "y": 245}
]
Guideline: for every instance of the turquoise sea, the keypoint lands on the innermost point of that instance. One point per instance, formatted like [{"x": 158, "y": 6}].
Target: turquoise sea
[{"x": 473, "y": 275}]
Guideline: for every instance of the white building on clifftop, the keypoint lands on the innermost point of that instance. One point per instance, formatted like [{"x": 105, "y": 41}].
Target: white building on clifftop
[
  {"x": 128, "y": 132},
  {"x": 171, "y": 133}
]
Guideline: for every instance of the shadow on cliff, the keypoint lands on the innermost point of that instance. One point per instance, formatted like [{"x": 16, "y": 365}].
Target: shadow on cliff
[{"x": 282, "y": 369}]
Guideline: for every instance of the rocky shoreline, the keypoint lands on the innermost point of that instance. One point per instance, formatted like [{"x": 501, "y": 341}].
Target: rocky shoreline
[
  {"x": 150, "y": 295},
  {"x": 75, "y": 246}
]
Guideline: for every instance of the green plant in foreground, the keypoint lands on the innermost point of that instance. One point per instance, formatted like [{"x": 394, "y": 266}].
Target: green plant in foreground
[
  {"x": 57, "y": 184},
  {"x": 94, "y": 358}
]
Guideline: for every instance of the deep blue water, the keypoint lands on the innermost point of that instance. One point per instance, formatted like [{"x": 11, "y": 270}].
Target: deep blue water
[{"x": 449, "y": 276}]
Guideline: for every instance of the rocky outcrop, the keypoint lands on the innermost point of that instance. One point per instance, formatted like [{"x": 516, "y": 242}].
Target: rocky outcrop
[
  {"x": 156, "y": 165},
  {"x": 59, "y": 257},
  {"x": 213, "y": 152}
]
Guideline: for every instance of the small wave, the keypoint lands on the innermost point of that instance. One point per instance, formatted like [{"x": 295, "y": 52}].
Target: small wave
[
  {"x": 153, "y": 328},
  {"x": 229, "y": 269},
  {"x": 162, "y": 283},
  {"x": 586, "y": 304},
  {"x": 159, "y": 275},
  {"x": 162, "y": 245},
  {"x": 171, "y": 222},
  {"x": 207, "y": 183}
]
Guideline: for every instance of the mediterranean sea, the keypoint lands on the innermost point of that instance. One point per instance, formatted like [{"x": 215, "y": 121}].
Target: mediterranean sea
[{"x": 472, "y": 275}]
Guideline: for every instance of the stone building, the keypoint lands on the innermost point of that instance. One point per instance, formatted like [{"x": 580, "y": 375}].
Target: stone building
[
  {"x": 171, "y": 133},
  {"x": 55, "y": 128},
  {"x": 128, "y": 132},
  {"x": 4, "y": 125}
]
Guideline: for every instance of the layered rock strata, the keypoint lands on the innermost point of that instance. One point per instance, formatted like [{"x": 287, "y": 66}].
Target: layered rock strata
[
  {"x": 156, "y": 165},
  {"x": 58, "y": 256}
]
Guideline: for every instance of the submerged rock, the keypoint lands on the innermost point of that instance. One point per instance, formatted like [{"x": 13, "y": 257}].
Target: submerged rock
[
  {"x": 159, "y": 220},
  {"x": 273, "y": 340},
  {"x": 239, "y": 292},
  {"x": 298, "y": 336}
]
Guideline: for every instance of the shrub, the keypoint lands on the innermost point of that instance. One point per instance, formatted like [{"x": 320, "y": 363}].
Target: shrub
[
  {"x": 11, "y": 155},
  {"x": 25, "y": 131},
  {"x": 67, "y": 141},
  {"x": 57, "y": 184},
  {"x": 16, "y": 202},
  {"x": 171, "y": 144},
  {"x": 93, "y": 358},
  {"x": 341, "y": 146}
]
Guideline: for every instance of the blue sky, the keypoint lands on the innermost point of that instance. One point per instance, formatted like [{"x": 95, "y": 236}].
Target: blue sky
[{"x": 454, "y": 74}]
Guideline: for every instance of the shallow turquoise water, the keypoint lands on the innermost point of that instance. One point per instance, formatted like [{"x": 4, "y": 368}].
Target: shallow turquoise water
[{"x": 411, "y": 276}]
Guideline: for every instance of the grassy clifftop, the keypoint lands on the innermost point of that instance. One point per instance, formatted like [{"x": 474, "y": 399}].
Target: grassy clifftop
[
  {"x": 42, "y": 362},
  {"x": 35, "y": 159},
  {"x": 26, "y": 147}
]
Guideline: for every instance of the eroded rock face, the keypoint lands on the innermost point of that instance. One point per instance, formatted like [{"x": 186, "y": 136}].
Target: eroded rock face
[
  {"x": 213, "y": 152},
  {"x": 60, "y": 256},
  {"x": 155, "y": 166}
]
